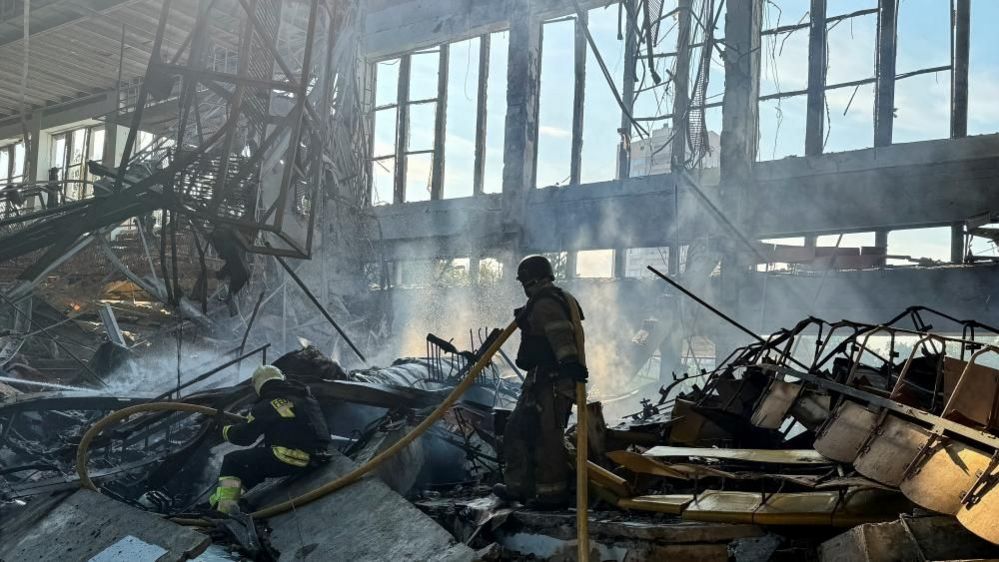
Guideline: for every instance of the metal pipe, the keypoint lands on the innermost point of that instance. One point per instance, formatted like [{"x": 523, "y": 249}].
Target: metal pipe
[
  {"x": 322, "y": 309},
  {"x": 262, "y": 349},
  {"x": 719, "y": 313}
]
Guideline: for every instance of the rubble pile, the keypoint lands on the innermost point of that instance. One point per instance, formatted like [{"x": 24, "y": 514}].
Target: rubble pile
[{"x": 820, "y": 441}]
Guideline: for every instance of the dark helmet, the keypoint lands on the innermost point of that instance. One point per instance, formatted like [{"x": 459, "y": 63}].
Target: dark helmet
[{"x": 534, "y": 268}]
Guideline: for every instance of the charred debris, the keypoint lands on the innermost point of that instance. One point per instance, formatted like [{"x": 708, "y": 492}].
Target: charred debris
[
  {"x": 824, "y": 441},
  {"x": 191, "y": 190}
]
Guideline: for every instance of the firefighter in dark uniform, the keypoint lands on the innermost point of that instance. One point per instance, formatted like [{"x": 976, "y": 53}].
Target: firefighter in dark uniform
[
  {"x": 294, "y": 430},
  {"x": 537, "y": 468}
]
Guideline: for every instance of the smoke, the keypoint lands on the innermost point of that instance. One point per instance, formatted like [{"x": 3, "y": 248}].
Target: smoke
[{"x": 154, "y": 371}]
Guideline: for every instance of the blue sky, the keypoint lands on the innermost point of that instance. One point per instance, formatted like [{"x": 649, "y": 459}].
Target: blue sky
[{"x": 922, "y": 102}]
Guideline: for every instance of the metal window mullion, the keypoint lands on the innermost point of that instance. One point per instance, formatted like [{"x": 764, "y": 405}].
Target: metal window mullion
[
  {"x": 481, "y": 116},
  {"x": 817, "y": 57},
  {"x": 681, "y": 81},
  {"x": 884, "y": 96},
  {"x": 628, "y": 90},
  {"x": 401, "y": 131},
  {"x": 440, "y": 124},
  {"x": 67, "y": 148},
  {"x": 578, "y": 98},
  {"x": 960, "y": 51},
  {"x": 368, "y": 104}
]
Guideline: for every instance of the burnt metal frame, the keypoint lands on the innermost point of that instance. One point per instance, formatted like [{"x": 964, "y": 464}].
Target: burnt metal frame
[
  {"x": 65, "y": 160},
  {"x": 885, "y": 77},
  {"x": 402, "y": 105},
  {"x": 937, "y": 423},
  {"x": 302, "y": 120}
]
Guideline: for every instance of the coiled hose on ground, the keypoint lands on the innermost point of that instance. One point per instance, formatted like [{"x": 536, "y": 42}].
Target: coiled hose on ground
[{"x": 82, "y": 452}]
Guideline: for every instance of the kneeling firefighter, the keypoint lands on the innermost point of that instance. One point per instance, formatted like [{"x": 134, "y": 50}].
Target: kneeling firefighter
[
  {"x": 552, "y": 351},
  {"x": 295, "y": 435}
]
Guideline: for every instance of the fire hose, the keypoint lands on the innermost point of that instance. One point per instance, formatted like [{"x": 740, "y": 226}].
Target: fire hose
[{"x": 82, "y": 452}]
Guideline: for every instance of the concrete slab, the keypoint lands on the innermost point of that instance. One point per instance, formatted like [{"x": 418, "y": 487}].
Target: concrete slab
[
  {"x": 917, "y": 538},
  {"x": 365, "y": 521},
  {"x": 87, "y": 525}
]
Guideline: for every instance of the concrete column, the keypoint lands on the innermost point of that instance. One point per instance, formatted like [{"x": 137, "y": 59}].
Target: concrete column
[
  {"x": 816, "y": 115},
  {"x": 959, "y": 76},
  {"x": 957, "y": 242},
  {"x": 740, "y": 107},
  {"x": 620, "y": 262},
  {"x": 110, "y": 156},
  {"x": 520, "y": 141},
  {"x": 881, "y": 241},
  {"x": 884, "y": 93}
]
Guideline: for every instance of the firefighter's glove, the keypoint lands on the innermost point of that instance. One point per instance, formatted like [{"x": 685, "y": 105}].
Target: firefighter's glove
[
  {"x": 573, "y": 370},
  {"x": 221, "y": 419}
]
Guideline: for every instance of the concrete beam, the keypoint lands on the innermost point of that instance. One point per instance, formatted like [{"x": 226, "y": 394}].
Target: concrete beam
[
  {"x": 871, "y": 296},
  {"x": 907, "y": 185},
  {"x": 89, "y": 526},
  {"x": 628, "y": 213},
  {"x": 919, "y": 184},
  {"x": 396, "y": 27},
  {"x": 365, "y": 521}
]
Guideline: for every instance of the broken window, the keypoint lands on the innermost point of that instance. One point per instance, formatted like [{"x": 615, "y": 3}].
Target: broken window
[
  {"x": 384, "y": 137},
  {"x": 922, "y": 67},
  {"x": 984, "y": 242},
  {"x": 851, "y": 46},
  {"x": 559, "y": 261},
  {"x": 772, "y": 253},
  {"x": 12, "y": 163},
  {"x": 382, "y": 180},
  {"x": 783, "y": 79},
  {"x": 636, "y": 261},
  {"x": 782, "y": 127},
  {"x": 71, "y": 151},
  {"x": 419, "y": 175},
  {"x": 462, "y": 111},
  {"x": 555, "y": 103},
  {"x": 601, "y": 113},
  {"x": 414, "y": 107},
  {"x": 983, "y": 70},
  {"x": 654, "y": 103},
  {"x": 496, "y": 112},
  {"x": 595, "y": 263},
  {"x": 851, "y": 240},
  {"x": 917, "y": 246},
  {"x": 429, "y": 128},
  {"x": 490, "y": 271}
]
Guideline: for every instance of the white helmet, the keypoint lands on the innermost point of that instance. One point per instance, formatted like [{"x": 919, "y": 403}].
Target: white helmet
[{"x": 266, "y": 373}]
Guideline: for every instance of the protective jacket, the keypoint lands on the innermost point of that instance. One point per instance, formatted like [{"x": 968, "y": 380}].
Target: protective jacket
[
  {"x": 290, "y": 420},
  {"x": 548, "y": 334}
]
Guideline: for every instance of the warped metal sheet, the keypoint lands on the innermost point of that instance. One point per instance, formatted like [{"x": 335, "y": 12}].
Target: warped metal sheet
[
  {"x": 867, "y": 505},
  {"x": 769, "y": 456},
  {"x": 690, "y": 426},
  {"x": 603, "y": 477},
  {"x": 636, "y": 462},
  {"x": 846, "y": 432},
  {"x": 812, "y": 409},
  {"x": 941, "y": 477},
  {"x": 893, "y": 447},
  {"x": 723, "y": 507},
  {"x": 682, "y": 471},
  {"x": 798, "y": 508},
  {"x": 973, "y": 401},
  {"x": 666, "y": 503},
  {"x": 982, "y": 515},
  {"x": 776, "y": 404}
]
